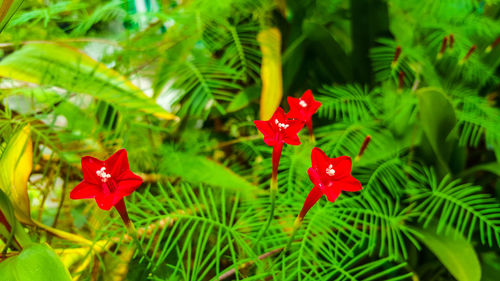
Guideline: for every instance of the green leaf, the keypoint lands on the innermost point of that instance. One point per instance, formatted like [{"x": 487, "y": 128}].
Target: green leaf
[
  {"x": 454, "y": 252},
  {"x": 51, "y": 64},
  {"x": 438, "y": 119},
  {"x": 35, "y": 263},
  {"x": 330, "y": 61},
  {"x": 244, "y": 98},
  {"x": 490, "y": 266},
  {"x": 7, "y": 10},
  {"x": 198, "y": 169},
  {"x": 16, "y": 162},
  {"x": 10, "y": 228}
]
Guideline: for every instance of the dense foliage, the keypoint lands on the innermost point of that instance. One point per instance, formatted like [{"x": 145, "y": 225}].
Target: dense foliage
[{"x": 178, "y": 84}]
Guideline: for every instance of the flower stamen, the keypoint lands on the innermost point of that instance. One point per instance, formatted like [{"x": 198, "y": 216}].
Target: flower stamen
[
  {"x": 303, "y": 103},
  {"x": 103, "y": 175},
  {"x": 330, "y": 171},
  {"x": 281, "y": 125}
]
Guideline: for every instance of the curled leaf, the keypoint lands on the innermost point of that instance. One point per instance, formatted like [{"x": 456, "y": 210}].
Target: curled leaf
[
  {"x": 16, "y": 162},
  {"x": 270, "y": 72}
]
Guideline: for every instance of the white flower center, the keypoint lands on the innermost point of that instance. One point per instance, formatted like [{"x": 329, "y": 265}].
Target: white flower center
[
  {"x": 303, "y": 103},
  {"x": 281, "y": 125},
  {"x": 102, "y": 174},
  {"x": 330, "y": 171}
]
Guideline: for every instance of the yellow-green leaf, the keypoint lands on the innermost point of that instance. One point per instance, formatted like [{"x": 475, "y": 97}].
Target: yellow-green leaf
[
  {"x": 454, "y": 252},
  {"x": 10, "y": 228},
  {"x": 52, "y": 64},
  {"x": 7, "y": 10},
  {"x": 270, "y": 72},
  {"x": 16, "y": 164}
]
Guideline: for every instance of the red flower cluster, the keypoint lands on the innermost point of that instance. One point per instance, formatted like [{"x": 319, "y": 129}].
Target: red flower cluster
[
  {"x": 109, "y": 181},
  {"x": 283, "y": 128}
]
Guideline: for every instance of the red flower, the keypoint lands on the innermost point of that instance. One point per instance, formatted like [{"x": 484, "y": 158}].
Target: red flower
[
  {"x": 279, "y": 129},
  {"x": 303, "y": 108},
  {"x": 330, "y": 176},
  {"x": 107, "y": 181}
]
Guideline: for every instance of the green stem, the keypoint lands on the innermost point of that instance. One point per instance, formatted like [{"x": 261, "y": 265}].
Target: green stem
[
  {"x": 277, "y": 149},
  {"x": 271, "y": 213},
  {"x": 296, "y": 226},
  {"x": 122, "y": 210}
]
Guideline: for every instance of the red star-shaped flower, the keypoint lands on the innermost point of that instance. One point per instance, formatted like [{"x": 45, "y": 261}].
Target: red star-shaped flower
[
  {"x": 330, "y": 176},
  {"x": 279, "y": 129},
  {"x": 107, "y": 181},
  {"x": 303, "y": 108}
]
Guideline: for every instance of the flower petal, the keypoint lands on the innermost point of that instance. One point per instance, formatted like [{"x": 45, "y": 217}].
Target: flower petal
[
  {"x": 128, "y": 182},
  {"x": 295, "y": 126},
  {"x": 311, "y": 199},
  {"x": 107, "y": 201},
  {"x": 342, "y": 166},
  {"x": 307, "y": 96},
  {"x": 332, "y": 193},
  {"x": 85, "y": 190},
  {"x": 294, "y": 111},
  {"x": 264, "y": 127},
  {"x": 314, "y": 177},
  {"x": 319, "y": 160},
  {"x": 315, "y": 105},
  {"x": 118, "y": 163},
  {"x": 271, "y": 141},
  {"x": 280, "y": 115},
  {"x": 89, "y": 167},
  {"x": 291, "y": 139},
  {"x": 349, "y": 184}
]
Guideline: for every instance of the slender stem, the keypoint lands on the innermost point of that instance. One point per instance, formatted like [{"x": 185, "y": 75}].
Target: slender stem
[
  {"x": 296, "y": 226},
  {"x": 247, "y": 264},
  {"x": 277, "y": 149},
  {"x": 122, "y": 210},
  {"x": 309, "y": 125}
]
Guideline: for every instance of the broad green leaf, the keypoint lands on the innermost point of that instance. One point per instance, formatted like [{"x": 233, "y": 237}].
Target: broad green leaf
[
  {"x": 490, "y": 266},
  {"x": 330, "y": 59},
  {"x": 270, "y": 72},
  {"x": 10, "y": 228},
  {"x": 35, "y": 263},
  {"x": 16, "y": 164},
  {"x": 7, "y": 10},
  {"x": 437, "y": 117},
  {"x": 51, "y": 64},
  {"x": 454, "y": 252},
  {"x": 201, "y": 170},
  {"x": 242, "y": 99}
]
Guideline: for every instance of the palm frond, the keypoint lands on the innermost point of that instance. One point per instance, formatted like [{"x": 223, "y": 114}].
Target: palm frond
[
  {"x": 347, "y": 103},
  {"x": 459, "y": 206}
]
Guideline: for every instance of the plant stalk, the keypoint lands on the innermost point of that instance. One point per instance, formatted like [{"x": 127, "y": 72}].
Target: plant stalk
[{"x": 277, "y": 149}]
